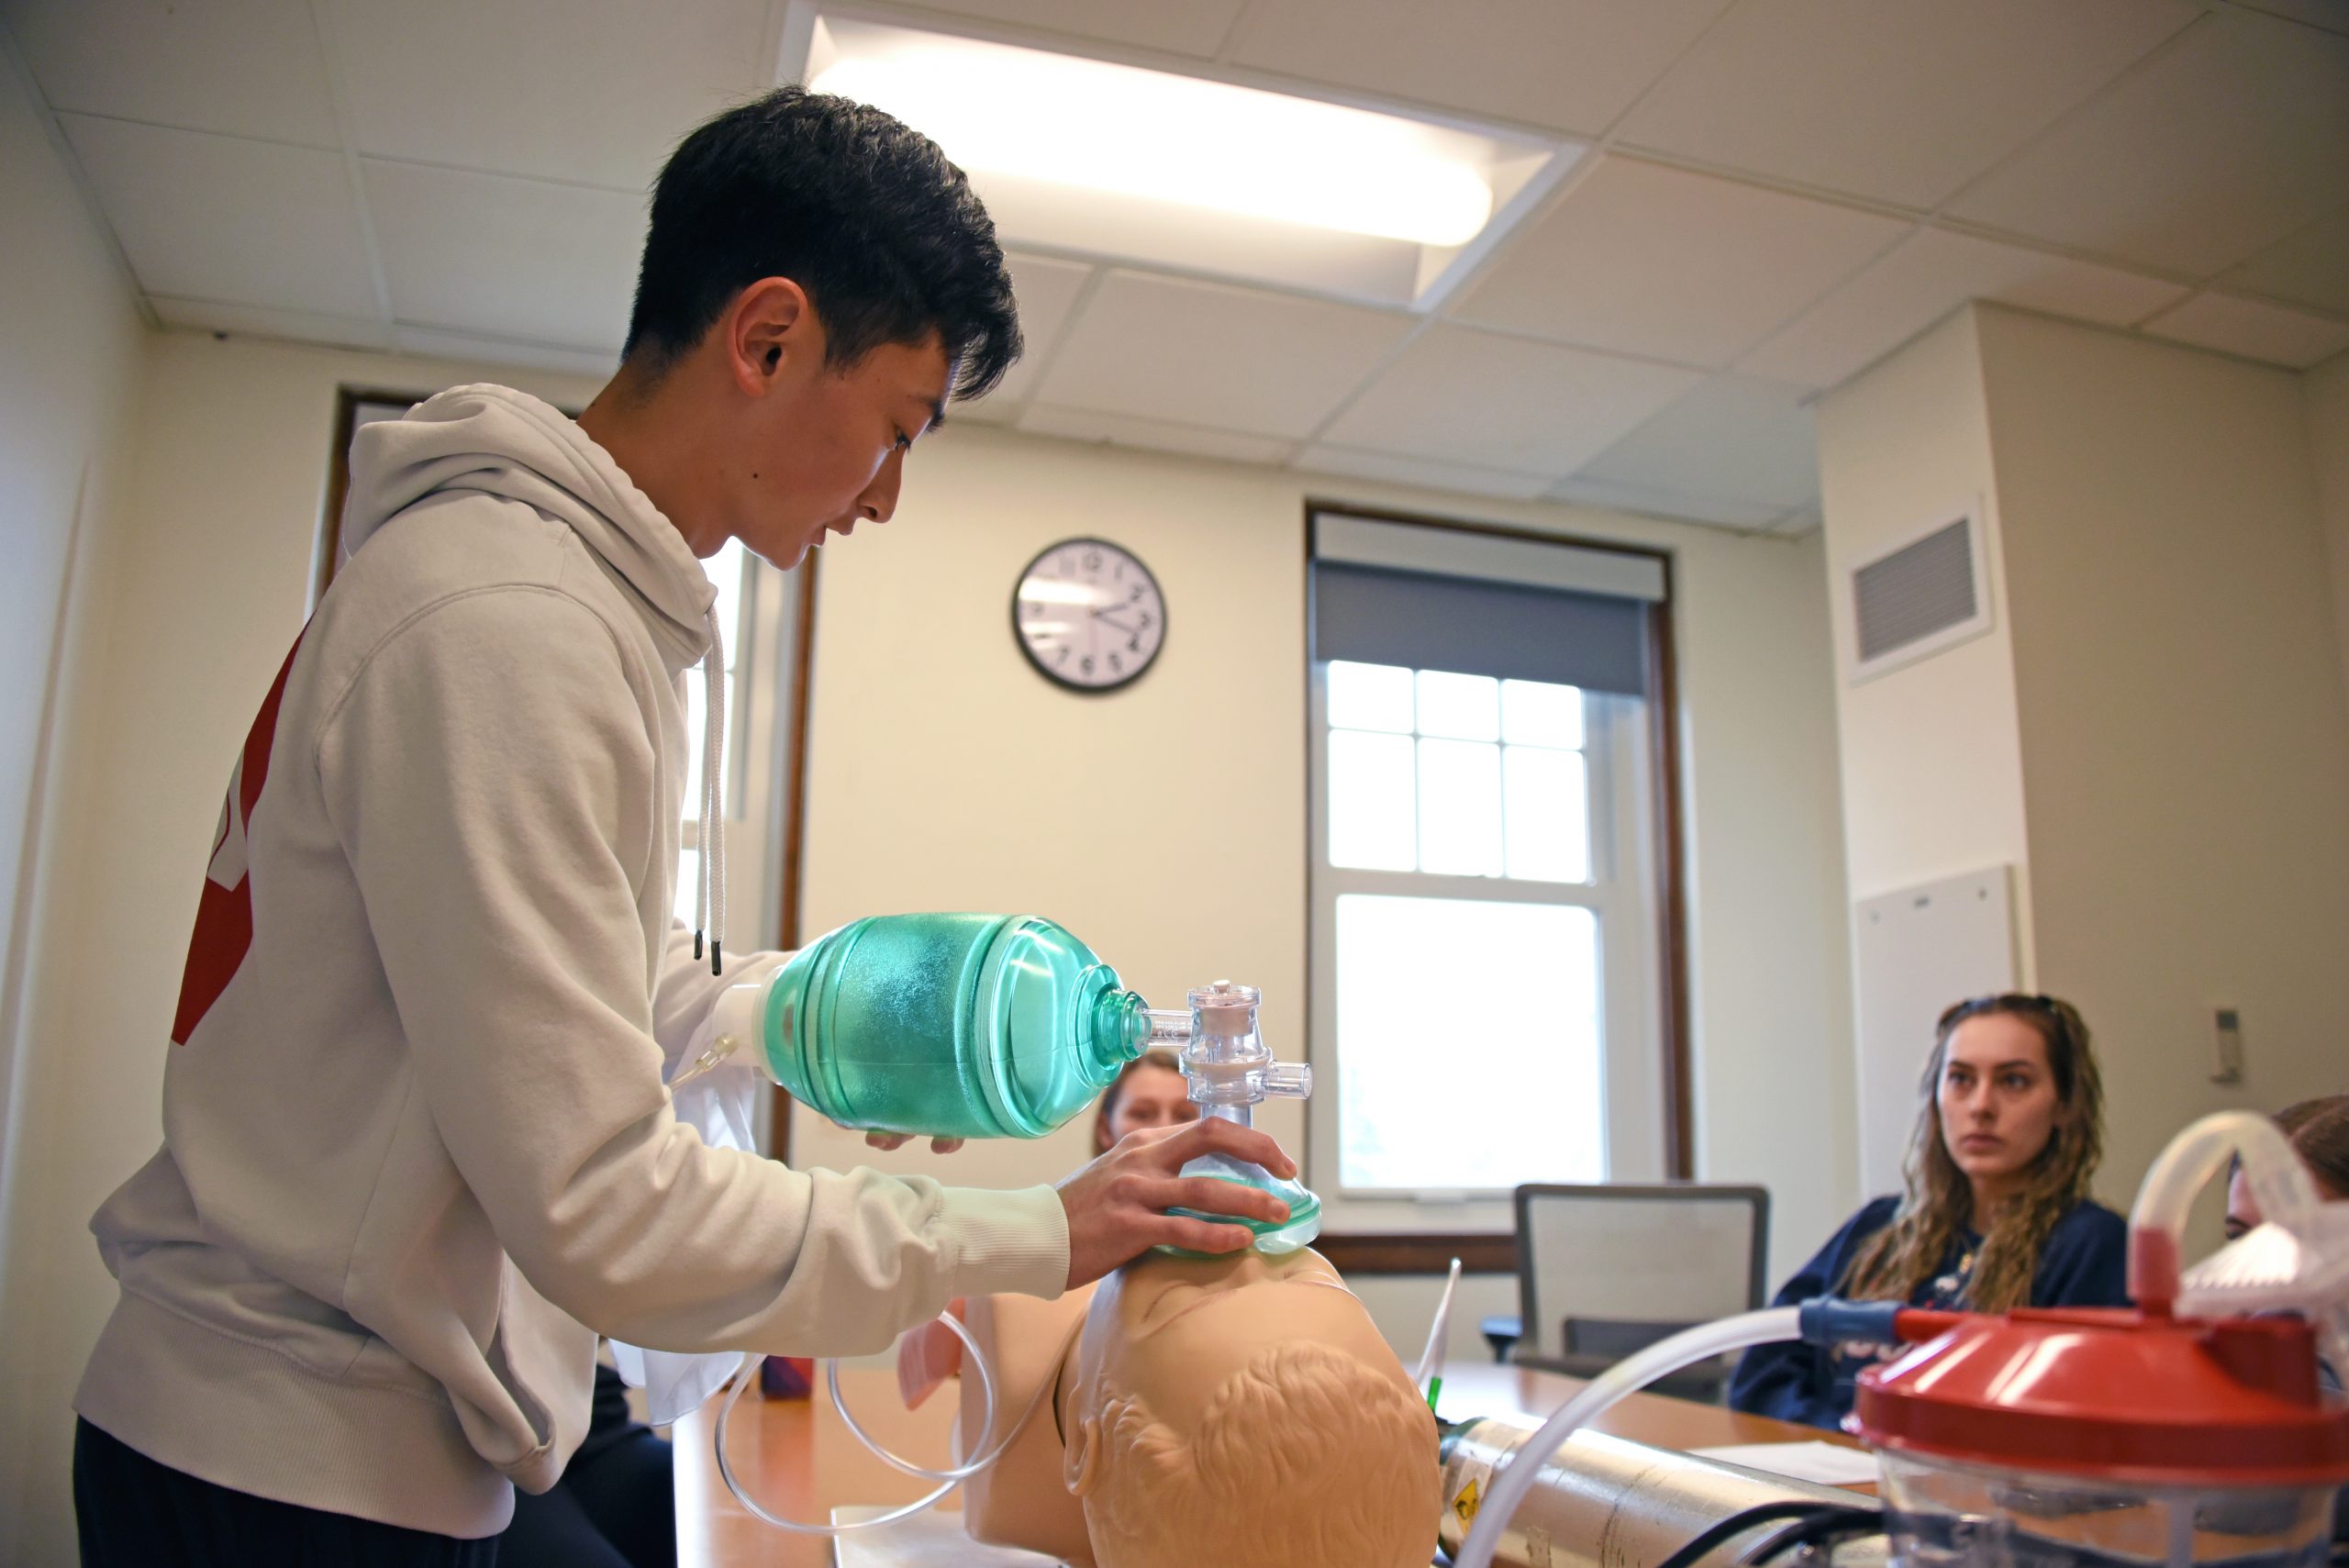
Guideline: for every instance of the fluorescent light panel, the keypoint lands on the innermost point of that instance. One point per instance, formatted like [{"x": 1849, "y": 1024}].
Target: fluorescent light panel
[{"x": 1123, "y": 131}]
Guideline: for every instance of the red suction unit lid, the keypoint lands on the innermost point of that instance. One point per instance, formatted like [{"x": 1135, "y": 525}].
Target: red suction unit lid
[{"x": 2124, "y": 1397}]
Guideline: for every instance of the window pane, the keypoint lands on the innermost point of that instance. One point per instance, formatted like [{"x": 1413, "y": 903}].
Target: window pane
[
  {"x": 1370, "y": 696},
  {"x": 688, "y": 868},
  {"x": 1549, "y": 814},
  {"x": 1371, "y": 801},
  {"x": 1465, "y": 708},
  {"x": 1537, "y": 713},
  {"x": 1468, "y": 1044},
  {"x": 1460, "y": 807}
]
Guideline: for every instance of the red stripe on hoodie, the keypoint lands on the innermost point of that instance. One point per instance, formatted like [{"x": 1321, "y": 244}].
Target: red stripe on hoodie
[{"x": 224, "y": 912}]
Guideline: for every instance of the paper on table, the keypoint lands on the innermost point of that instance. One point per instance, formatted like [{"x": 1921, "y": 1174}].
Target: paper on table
[
  {"x": 929, "y": 1540},
  {"x": 1825, "y": 1463}
]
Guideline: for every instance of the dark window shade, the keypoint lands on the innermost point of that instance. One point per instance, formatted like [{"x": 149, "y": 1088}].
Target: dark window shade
[{"x": 1480, "y": 627}]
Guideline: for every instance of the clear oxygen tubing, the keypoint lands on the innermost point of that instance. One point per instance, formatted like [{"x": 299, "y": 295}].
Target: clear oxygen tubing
[
  {"x": 1517, "y": 1478},
  {"x": 1431, "y": 1359},
  {"x": 2280, "y": 1183},
  {"x": 988, "y": 1453},
  {"x": 948, "y": 1478}
]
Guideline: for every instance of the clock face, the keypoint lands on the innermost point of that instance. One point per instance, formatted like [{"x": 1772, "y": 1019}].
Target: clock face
[{"x": 1088, "y": 615}]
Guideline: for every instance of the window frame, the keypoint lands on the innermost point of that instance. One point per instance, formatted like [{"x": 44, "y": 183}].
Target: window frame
[{"x": 1641, "y": 789}]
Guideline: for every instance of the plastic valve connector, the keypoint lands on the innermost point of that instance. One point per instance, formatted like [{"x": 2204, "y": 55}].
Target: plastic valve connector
[{"x": 1288, "y": 1081}]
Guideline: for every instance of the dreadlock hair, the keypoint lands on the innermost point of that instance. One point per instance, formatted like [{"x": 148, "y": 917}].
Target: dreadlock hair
[
  {"x": 860, "y": 210},
  {"x": 1937, "y": 1209}
]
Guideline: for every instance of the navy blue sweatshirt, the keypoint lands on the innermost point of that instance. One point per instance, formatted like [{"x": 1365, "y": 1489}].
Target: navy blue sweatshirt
[{"x": 2085, "y": 1263}]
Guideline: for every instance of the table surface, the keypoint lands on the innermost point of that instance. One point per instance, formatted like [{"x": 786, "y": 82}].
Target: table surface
[{"x": 797, "y": 1458}]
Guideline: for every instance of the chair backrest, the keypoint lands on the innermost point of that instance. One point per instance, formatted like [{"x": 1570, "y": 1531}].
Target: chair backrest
[{"x": 1603, "y": 1270}]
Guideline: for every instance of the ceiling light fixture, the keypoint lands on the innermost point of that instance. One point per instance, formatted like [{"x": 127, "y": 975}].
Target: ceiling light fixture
[{"x": 1120, "y": 129}]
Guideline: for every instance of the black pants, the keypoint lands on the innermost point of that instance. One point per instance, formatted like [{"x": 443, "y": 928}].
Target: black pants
[
  {"x": 135, "y": 1513},
  {"x": 615, "y": 1508}
]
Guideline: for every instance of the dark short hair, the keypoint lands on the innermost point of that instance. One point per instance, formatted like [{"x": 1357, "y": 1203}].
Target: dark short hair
[
  {"x": 2319, "y": 1130},
  {"x": 860, "y": 210}
]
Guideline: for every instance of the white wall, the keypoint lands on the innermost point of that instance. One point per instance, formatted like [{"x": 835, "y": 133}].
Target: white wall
[
  {"x": 1931, "y": 763},
  {"x": 69, "y": 349},
  {"x": 204, "y": 583},
  {"x": 70, "y": 341},
  {"x": 2185, "y": 733},
  {"x": 2326, "y": 389},
  {"x": 1930, "y": 752},
  {"x": 2157, "y": 728},
  {"x": 1166, "y": 825}
]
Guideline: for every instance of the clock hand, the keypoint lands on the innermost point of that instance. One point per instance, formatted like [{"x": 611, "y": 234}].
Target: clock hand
[{"x": 1105, "y": 616}]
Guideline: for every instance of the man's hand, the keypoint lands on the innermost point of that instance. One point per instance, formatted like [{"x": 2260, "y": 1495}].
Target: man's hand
[
  {"x": 1116, "y": 1206},
  {"x": 888, "y": 1141}
]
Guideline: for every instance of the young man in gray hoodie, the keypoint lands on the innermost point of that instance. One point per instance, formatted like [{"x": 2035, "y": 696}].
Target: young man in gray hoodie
[{"x": 418, "y": 1151}]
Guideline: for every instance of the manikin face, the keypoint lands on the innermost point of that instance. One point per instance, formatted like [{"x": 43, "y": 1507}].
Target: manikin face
[
  {"x": 821, "y": 448},
  {"x": 1998, "y": 1101},
  {"x": 1172, "y": 1329},
  {"x": 1151, "y": 1096}
]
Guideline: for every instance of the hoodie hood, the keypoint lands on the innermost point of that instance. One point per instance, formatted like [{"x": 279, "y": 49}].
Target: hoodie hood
[{"x": 507, "y": 443}]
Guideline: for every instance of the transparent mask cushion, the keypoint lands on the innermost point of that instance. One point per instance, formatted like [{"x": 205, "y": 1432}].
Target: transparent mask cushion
[{"x": 1273, "y": 1238}]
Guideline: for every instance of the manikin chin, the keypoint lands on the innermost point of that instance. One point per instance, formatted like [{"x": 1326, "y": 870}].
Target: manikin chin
[{"x": 1238, "y": 1411}]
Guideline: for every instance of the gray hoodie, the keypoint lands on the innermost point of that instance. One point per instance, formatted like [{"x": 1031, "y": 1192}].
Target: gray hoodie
[{"x": 418, "y": 1151}]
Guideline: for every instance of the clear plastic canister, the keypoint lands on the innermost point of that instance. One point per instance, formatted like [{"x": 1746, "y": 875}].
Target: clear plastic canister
[
  {"x": 1944, "y": 1514},
  {"x": 2054, "y": 1438}
]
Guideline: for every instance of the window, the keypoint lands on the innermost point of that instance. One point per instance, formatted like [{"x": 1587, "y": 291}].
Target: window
[{"x": 1488, "y": 977}]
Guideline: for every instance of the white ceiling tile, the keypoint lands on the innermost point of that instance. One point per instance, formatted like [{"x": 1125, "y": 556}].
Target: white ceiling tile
[
  {"x": 2309, "y": 268},
  {"x": 1571, "y": 65},
  {"x": 1640, "y": 259},
  {"x": 238, "y": 67},
  {"x": 483, "y": 349},
  {"x": 514, "y": 258},
  {"x": 1155, "y": 435},
  {"x": 1389, "y": 469},
  {"x": 2256, "y": 331},
  {"x": 223, "y": 219},
  {"x": 1731, "y": 438},
  {"x": 1194, "y": 26},
  {"x": 1659, "y": 502},
  {"x": 253, "y": 321},
  {"x": 2332, "y": 14},
  {"x": 597, "y": 91},
  {"x": 2221, "y": 145},
  {"x": 1900, "y": 100},
  {"x": 1470, "y": 397},
  {"x": 1046, "y": 290},
  {"x": 1930, "y": 275},
  {"x": 1159, "y": 348}
]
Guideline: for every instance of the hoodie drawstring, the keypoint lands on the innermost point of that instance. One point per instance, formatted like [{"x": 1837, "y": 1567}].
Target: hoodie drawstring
[{"x": 709, "y": 829}]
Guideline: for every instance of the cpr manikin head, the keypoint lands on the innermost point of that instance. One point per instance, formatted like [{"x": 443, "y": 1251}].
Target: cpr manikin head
[{"x": 1243, "y": 1411}]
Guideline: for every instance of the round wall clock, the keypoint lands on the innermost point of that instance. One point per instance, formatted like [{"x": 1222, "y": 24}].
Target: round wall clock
[{"x": 1088, "y": 615}]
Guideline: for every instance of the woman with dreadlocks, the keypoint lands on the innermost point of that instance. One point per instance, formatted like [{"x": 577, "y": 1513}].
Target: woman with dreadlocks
[{"x": 1997, "y": 1213}]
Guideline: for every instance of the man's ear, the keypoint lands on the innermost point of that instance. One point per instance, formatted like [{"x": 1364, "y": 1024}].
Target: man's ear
[
  {"x": 767, "y": 325},
  {"x": 1081, "y": 1464}
]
